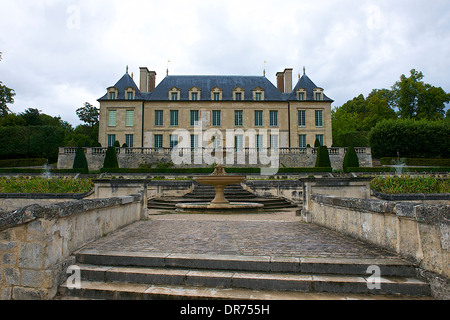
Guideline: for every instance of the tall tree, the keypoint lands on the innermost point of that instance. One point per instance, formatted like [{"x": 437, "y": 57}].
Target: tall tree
[
  {"x": 89, "y": 114},
  {"x": 418, "y": 100},
  {"x": 6, "y": 97}
]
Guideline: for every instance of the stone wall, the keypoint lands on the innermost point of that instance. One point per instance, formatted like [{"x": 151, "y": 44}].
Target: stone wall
[
  {"x": 420, "y": 232},
  {"x": 37, "y": 242},
  {"x": 135, "y": 157},
  {"x": 289, "y": 189}
]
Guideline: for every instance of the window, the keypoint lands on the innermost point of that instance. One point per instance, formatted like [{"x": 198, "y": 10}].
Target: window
[
  {"x": 258, "y": 96},
  {"x": 238, "y": 118},
  {"x": 216, "y": 96},
  {"x": 194, "y": 141},
  {"x": 238, "y": 96},
  {"x": 159, "y": 118},
  {"x": 301, "y": 96},
  {"x": 194, "y": 117},
  {"x": 174, "y": 118},
  {"x": 319, "y": 118},
  {"x": 320, "y": 138},
  {"x": 301, "y": 118},
  {"x": 112, "y": 118},
  {"x": 274, "y": 143},
  {"x": 259, "y": 142},
  {"x": 129, "y": 118},
  {"x": 111, "y": 139},
  {"x": 173, "y": 141},
  {"x": 129, "y": 140},
  {"x": 174, "y": 96},
  {"x": 216, "y": 143},
  {"x": 112, "y": 96},
  {"x": 302, "y": 141},
  {"x": 130, "y": 95},
  {"x": 258, "y": 118},
  {"x": 318, "y": 96},
  {"x": 158, "y": 141},
  {"x": 194, "y": 96},
  {"x": 274, "y": 118},
  {"x": 216, "y": 121},
  {"x": 238, "y": 141}
]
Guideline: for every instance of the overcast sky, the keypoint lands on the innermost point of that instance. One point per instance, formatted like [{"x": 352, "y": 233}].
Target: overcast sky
[{"x": 58, "y": 54}]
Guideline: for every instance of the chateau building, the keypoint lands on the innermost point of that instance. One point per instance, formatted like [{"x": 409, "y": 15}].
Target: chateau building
[{"x": 148, "y": 116}]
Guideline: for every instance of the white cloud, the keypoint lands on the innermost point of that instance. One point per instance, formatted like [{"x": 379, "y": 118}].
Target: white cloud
[{"x": 81, "y": 47}]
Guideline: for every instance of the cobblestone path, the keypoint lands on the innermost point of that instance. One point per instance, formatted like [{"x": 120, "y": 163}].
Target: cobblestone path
[{"x": 281, "y": 234}]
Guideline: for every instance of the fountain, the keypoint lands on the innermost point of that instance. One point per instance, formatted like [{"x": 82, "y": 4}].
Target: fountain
[{"x": 219, "y": 179}]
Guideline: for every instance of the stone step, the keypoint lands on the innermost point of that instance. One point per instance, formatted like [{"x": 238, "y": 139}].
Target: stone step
[
  {"x": 253, "y": 281},
  {"x": 306, "y": 265},
  {"x": 129, "y": 291}
]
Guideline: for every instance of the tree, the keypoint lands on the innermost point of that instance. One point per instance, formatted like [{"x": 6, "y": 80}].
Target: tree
[
  {"x": 6, "y": 97},
  {"x": 323, "y": 158},
  {"x": 110, "y": 161},
  {"x": 418, "y": 100},
  {"x": 89, "y": 114},
  {"x": 350, "y": 159},
  {"x": 80, "y": 161}
]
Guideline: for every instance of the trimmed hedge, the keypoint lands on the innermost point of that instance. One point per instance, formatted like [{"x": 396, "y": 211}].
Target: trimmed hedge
[
  {"x": 210, "y": 170},
  {"x": 80, "y": 161},
  {"x": 411, "y": 138},
  {"x": 350, "y": 159},
  {"x": 418, "y": 162},
  {"x": 323, "y": 157},
  {"x": 110, "y": 161},
  {"x": 22, "y": 162},
  {"x": 405, "y": 169}
]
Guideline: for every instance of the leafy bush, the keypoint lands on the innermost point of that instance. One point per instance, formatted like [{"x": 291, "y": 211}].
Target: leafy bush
[
  {"x": 402, "y": 185},
  {"x": 110, "y": 161},
  {"x": 80, "y": 161},
  {"x": 350, "y": 159},
  {"x": 411, "y": 138},
  {"x": 323, "y": 157}
]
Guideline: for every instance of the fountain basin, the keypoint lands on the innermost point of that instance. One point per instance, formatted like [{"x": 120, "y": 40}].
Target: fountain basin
[{"x": 219, "y": 182}]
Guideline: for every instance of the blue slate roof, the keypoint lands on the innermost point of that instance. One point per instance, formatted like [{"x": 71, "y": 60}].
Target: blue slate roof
[
  {"x": 207, "y": 83},
  {"x": 305, "y": 83}
]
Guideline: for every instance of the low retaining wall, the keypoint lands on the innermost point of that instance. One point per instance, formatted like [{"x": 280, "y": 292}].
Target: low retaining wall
[
  {"x": 135, "y": 157},
  {"x": 289, "y": 189},
  {"x": 37, "y": 242},
  {"x": 14, "y": 201},
  {"x": 416, "y": 231}
]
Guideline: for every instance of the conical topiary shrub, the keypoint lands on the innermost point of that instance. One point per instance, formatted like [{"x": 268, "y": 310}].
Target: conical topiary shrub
[
  {"x": 110, "y": 161},
  {"x": 80, "y": 161},
  {"x": 350, "y": 159},
  {"x": 323, "y": 158}
]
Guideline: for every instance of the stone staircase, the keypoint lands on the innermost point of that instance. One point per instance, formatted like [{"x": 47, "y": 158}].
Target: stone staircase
[
  {"x": 233, "y": 193},
  {"x": 125, "y": 275}
]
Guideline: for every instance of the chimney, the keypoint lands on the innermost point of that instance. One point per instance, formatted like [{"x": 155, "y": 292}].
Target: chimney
[
  {"x": 280, "y": 81},
  {"x": 151, "y": 81},
  {"x": 288, "y": 80},
  {"x": 148, "y": 80},
  {"x": 143, "y": 86}
]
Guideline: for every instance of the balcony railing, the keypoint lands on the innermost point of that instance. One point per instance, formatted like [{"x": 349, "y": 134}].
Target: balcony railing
[{"x": 215, "y": 151}]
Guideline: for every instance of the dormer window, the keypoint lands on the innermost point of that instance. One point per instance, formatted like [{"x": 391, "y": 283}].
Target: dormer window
[
  {"x": 216, "y": 94},
  {"x": 258, "y": 94},
  {"x": 112, "y": 93},
  {"x": 130, "y": 93},
  {"x": 194, "y": 94},
  {"x": 318, "y": 94},
  {"x": 301, "y": 94},
  {"x": 174, "y": 94},
  {"x": 238, "y": 94}
]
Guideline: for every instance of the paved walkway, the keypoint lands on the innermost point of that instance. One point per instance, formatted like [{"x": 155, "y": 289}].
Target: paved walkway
[{"x": 280, "y": 234}]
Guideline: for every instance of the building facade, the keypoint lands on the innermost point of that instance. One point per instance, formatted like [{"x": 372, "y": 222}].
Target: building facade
[{"x": 150, "y": 116}]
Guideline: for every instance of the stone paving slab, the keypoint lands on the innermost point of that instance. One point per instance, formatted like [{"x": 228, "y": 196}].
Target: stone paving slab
[{"x": 279, "y": 234}]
